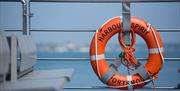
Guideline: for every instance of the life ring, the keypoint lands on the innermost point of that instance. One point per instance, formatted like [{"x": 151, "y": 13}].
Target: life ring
[{"x": 103, "y": 70}]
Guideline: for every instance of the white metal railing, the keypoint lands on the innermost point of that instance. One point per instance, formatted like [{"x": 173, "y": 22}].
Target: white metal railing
[
  {"x": 104, "y": 1},
  {"x": 106, "y": 87},
  {"x": 87, "y": 59},
  {"x": 79, "y": 30},
  {"x": 94, "y": 1}
]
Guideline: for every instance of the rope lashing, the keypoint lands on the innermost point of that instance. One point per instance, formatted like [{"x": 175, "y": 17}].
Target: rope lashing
[{"x": 128, "y": 50}]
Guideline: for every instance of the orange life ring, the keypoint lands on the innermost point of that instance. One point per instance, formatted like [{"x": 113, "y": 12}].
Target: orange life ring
[{"x": 104, "y": 71}]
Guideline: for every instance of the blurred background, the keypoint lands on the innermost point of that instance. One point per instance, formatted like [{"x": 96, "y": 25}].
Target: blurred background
[{"x": 90, "y": 16}]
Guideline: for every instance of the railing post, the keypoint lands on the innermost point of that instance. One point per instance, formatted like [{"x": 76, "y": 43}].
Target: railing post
[
  {"x": 126, "y": 17},
  {"x": 26, "y": 17}
]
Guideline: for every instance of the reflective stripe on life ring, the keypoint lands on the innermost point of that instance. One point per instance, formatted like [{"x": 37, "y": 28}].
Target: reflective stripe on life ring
[{"x": 109, "y": 76}]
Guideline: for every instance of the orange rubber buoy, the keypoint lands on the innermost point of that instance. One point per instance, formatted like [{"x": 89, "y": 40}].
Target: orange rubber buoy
[{"x": 104, "y": 71}]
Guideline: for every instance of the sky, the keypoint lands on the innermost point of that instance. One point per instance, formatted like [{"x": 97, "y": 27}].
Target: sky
[{"x": 87, "y": 16}]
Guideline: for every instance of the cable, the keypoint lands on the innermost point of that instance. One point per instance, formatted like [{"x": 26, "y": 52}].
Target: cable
[{"x": 157, "y": 43}]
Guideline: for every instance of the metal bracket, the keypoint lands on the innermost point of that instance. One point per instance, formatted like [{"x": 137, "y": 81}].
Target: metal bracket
[
  {"x": 126, "y": 21},
  {"x": 27, "y": 49}
]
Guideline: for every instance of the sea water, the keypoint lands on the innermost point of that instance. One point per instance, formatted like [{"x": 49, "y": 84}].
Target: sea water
[{"x": 84, "y": 76}]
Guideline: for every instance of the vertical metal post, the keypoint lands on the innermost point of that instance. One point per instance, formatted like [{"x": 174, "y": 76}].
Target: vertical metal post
[
  {"x": 26, "y": 17},
  {"x": 29, "y": 16},
  {"x": 13, "y": 58},
  {"x": 126, "y": 21}
]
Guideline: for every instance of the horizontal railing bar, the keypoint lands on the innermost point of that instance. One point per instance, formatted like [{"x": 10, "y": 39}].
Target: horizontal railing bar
[
  {"x": 103, "y": 1},
  {"x": 49, "y": 30},
  {"x": 95, "y": 1},
  {"x": 80, "y": 30},
  {"x": 168, "y": 30},
  {"x": 108, "y": 59},
  {"x": 106, "y": 87}
]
